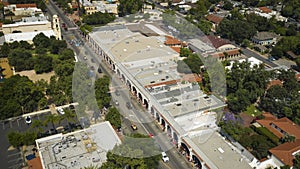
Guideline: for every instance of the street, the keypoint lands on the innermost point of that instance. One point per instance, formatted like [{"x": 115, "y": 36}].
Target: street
[{"x": 137, "y": 115}]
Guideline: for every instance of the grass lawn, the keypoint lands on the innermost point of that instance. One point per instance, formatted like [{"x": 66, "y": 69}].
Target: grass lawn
[{"x": 253, "y": 111}]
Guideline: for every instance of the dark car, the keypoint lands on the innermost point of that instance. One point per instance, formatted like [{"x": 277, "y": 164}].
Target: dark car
[{"x": 128, "y": 105}]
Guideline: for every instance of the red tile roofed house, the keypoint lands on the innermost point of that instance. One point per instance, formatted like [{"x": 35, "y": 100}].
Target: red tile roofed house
[
  {"x": 229, "y": 54},
  {"x": 219, "y": 43},
  {"x": 285, "y": 152},
  {"x": 274, "y": 82},
  {"x": 215, "y": 19},
  {"x": 25, "y": 5},
  {"x": 265, "y": 9},
  {"x": 280, "y": 127}
]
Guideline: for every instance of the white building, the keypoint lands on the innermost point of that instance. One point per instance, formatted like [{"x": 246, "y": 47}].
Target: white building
[
  {"x": 78, "y": 149},
  {"x": 148, "y": 68}
]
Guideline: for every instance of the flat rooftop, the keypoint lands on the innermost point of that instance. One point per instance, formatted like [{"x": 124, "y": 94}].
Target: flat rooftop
[
  {"x": 221, "y": 153},
  {"x": 78, "y": 149},
  {"x": 26, "y": 36},
  {"x": 180, "y": 99}
]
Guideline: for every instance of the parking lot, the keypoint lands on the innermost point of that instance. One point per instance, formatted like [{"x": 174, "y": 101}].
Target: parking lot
[{"x": 11, "y": 157}]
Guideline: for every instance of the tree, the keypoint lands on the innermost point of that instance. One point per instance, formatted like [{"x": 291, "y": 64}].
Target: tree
[
  {"x": 114, "y": 117},
  {"x": 41, "y": 41},
  {"x": 296, "y": 162},
  {"x": 57, "y": 45},
  {"x": 21, "y": 59},
  {"x": 99, "y": 18},
  {"x": 43, "y": 64},
  {"x": 102, "y": 92},
  {"x": 127, "y": 7},
  {"x": 15, "y": 139},
  {"x": 53, "y": 119}
]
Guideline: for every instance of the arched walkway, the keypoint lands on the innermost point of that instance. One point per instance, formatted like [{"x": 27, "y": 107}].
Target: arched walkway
[{"x": 196, "y": 162}]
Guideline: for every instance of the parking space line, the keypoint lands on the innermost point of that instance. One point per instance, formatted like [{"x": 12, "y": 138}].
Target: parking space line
[
  {"x": 17, "y": 159},
  {"x": 16, "y": 165},
  {"x": 13, "y": 154}
]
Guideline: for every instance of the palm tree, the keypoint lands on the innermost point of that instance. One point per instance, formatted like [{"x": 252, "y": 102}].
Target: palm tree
[
  {"x": 54, "y": 119},
  {"x": 37, "y": 125},
  {"x": 69, "y": 116}
]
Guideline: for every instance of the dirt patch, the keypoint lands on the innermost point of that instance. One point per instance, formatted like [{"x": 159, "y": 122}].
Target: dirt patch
[{"x": 35, "y": 77}]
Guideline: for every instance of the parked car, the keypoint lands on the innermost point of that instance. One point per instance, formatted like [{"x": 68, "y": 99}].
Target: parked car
[
  {"x": 165, "y": 158},
  {"x": 60, "y": 111},
  {"x": 128, "y": 105},
  {"x": 117, "y": 92},
  {"x": 134, "y": 127},
  {"x": 28, "y": 120}
]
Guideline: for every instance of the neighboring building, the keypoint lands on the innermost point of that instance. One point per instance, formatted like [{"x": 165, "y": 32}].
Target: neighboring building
[
  {"x": 280, "y": 127},
  {"x": 89, "y": 8},
  {"x": 292, "y": 55},
  {"x": 29, "y": 27},
  {"x": 265, "y": 38},
  {"x": 28, "y": 24},
  {"x": 23, "y": 9},
  {"x": 219, "y": 44},
  {"x": 286, "y": 152},
  {"x": 148, "y": 68},
  {"x": 215, "y": 20},
  {"x": 27, "y": 36},
  {"x": 103, "y": 6},
  {"x": 78, "y": 149}
]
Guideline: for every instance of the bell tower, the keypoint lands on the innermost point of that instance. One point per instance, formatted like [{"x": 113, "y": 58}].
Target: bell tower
[{"x": 56, "y": 27}]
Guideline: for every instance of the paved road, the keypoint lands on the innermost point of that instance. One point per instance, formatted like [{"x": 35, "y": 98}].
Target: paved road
[
  {"x": 176, "y": 160},
  {"x": 250, "y": 53}
]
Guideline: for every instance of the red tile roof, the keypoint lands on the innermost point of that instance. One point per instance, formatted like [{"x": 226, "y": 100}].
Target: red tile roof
[
  {"x": 172, "y": 41},
  {"x": 215, "y": 41},
  {"x": 176, "y": 48},
  {"x": 284, "y": 124},
  {"x": 229, "y": 52},
  {"x": 25, "y": 5},
  {"x": 297, "y": 76},
  {"x": 284, "y": 152},
  {"x": 162, "y": 83},
  {"x": 288, "y": 126},
  {"x": 214, "y": 18},
  {"x": 265, "y": 9},
  {"x": 35, "y": 163},
  {"x": 4, "y": 3},
  {"x": 274, "y": 82}
]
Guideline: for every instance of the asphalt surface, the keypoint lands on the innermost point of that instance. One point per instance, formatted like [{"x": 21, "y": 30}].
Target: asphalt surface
[{"x": 12, "y": 158}]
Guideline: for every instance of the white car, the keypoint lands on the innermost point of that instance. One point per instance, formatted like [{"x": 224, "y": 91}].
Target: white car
[
  {"x": 165, "y": 158},
  {"x": 61, "y": 111},
  {"x": 28, "y": 120}
]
